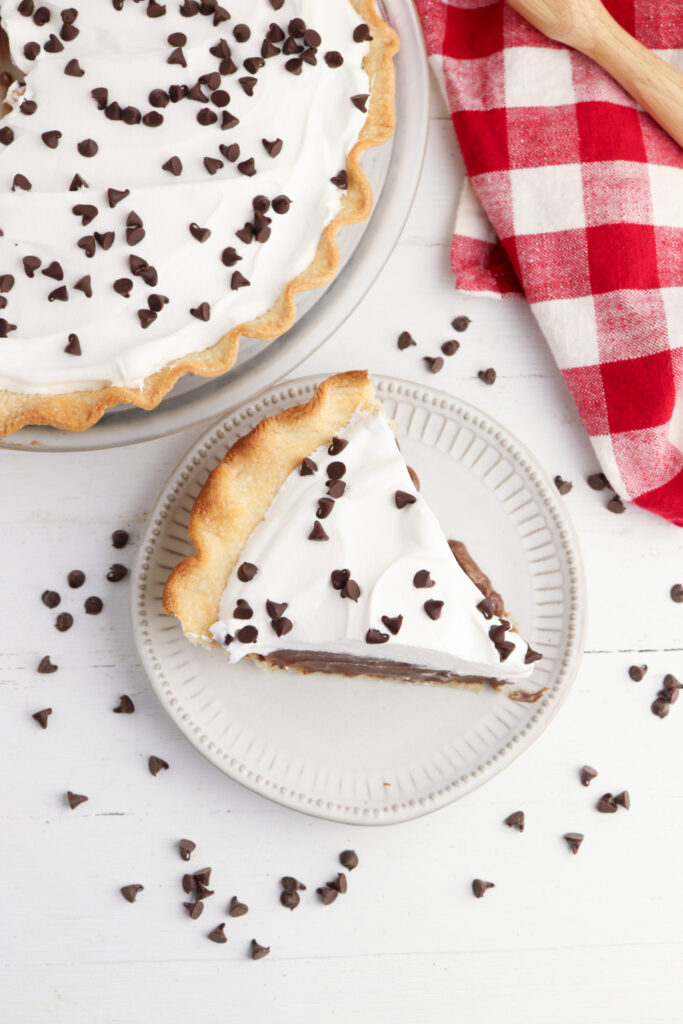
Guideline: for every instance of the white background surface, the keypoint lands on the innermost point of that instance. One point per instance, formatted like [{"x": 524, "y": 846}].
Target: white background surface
[{"x": 596, "y": 938}]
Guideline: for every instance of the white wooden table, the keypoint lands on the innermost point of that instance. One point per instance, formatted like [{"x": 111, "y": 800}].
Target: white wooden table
[{"x": 596, "y": 938}]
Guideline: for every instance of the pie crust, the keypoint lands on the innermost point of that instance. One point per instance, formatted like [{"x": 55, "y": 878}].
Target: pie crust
[{"x": 78, "y": 410}]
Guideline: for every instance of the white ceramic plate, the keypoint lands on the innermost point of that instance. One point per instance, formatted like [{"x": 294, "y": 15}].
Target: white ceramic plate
[
  {"x": 394, "y": 172},
  {"x": 361, "y": 750}
]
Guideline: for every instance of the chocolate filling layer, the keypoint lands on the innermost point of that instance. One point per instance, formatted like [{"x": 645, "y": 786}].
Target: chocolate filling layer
[{"x": 351, "y": 666}]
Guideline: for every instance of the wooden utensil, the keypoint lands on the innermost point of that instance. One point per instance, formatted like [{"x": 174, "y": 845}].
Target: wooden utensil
[{"x": 588, "y": 27}]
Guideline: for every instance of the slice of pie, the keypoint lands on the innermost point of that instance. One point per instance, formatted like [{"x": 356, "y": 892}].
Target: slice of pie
[
  {"x": 317, "y": 553},
  {"x": 172, "y": 175}
]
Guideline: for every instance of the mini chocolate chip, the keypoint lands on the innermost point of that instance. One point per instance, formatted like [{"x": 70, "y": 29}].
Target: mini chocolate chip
[
  {"x": 393, "y": 624},
  {"x": 434, "y": 363},
  {"x": 461, "y": 323},
  {"x": 402, "y": 499},
  {"x": 51, "y": 139},
  {"x": 74, "y": 69},
  {"x": 246, "y": 572},
  {"x": 238, "y": 281},
  {"x": 563, "y": 486},
  {"x": 597, "y": 481},
  {"x": 50, "y": 598},
  {"x": 31, "y": 264},
  {"x": 423, "y": 579},
  {"x": 360, "y": 101},
  {"x": 449, "y": 348},
  {"x": 317, "y": 533},
  {"x": 218, "y": 934},
  {"x": 488, "y": 376},
  {"x": 281, "y": 204},
  {"x": 486, "y": 608},
  {"x": 174, "y": 166},
  {"x": 257, "y": 950},
  {"x": 606, "y": 804},
  {"x": 195, "y": 909},
  {"x": 374, "y": 636},
  {"x": 637, "y": 672},
  {"x": 336, "y": 488},
  {"x": 341, "y": 180},
  {"x": 660, "y": 708},
  {"x": 671, "y": 683},
  {"x": 325, "y": 506},
  {"x": 291, "y": 884},
  {"x": 156, "y": 764},
  {"x": 327, "y": 894},
  {"x": 116, "y": 573},
  {"x": 45, "y": 666},
  {"x": 272, "y": 148},
  {"x": 282, "y": 626},
  {"x": 85, "y": 285},
  {"x": 203, "y": 876},
  {"x": 237, "y": 909},
  {"x": 308, "y": 467},
  {"x": 201, "y": 234},
  {"x": 339, "y": 578},
  {"x": 123, "y": 286},
  {"x": 623, "y": 800},
  {"x": 361, "y": 34},
  {"x": 351, "y": 590},
  {"x": 88, "y": 147},
  {"x": 130, "y": 892},
  {"x": 229, "y": 257},
  {"x": 185, "y": 848},
  {"x": 64, "y": 622},
  {"x": 340, "y": 883},
  {"x": 247, "y": 635},
  {"x": 479, "y": 887},
  {"x": 247, "y": 167},
  {"x": 532, "y": 656},
  {"x": 93, "y": 605},
  {"x": 348, "y": 859},
  {"x": 574, "y": 839},
  {"x": 515, "y": 820},
  {"x": 334, "y": 59},
  {"x": 405, "y": 340},
  {"x": 74, "y": 799},
  {"x": 587, "y": 775},
  {"x": 290, "y": 900},
  {"x": 433, "y": 609},
  {"x": 337, "y": 445},
  {"x": 125, "y": 705},
  {"x": 243, "y": 610},
  {"x": 616, "y": 505},
  {"x": 76, "y": 578},
  {"x": 676, "y": 593},
  {"x": 41, "y": 717}
]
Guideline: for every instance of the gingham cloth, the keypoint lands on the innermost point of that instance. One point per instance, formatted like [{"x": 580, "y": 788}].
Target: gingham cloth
[{"x": 583, "y": 201}]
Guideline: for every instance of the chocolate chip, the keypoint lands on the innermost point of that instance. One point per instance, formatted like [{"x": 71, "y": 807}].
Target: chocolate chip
[
  {"x": 185, "y": 848},
  {"x": 616, "y": 505},
  {"x": 93, "y": 605},
  {"x": 336, "y": 470},
  {"x": 74, "y": 799},
  {"x": 308, "y": 467},
  {"x": 587, "y": 775},
  {"x": 623, "y": 800},
  {"x": 341, "y": 180},
  {"x": 203, "y": 876},
  {"x": 488, "y": 376},
  {"x": 59, "y": 294},
  {"x": 28, "y": 107},
  {"x": 607, "y": 804},
  {"x": 156, "y": 764},
  {"x": 334, "y": 59},
  {"x": 405, "y": 340},
  {"x": 247, "y": 167},
  {"x": 31, "y": 50},
  {"x": 434, "y": 363},
  {"x": 130, "y": 892},
  {"x": 146, "y": 317},
  {"x": 660, "y": 708},
  {"x": 479, "y": 887},
  {"x": 461, "y": 323},
  {"x": 360, "y": 101},
  {"x": 563, "y": 486},
  {"x": 116, "y": 573},
  {"x": 325, "y": 506},
  {"x": 74, "y": 69},
  {"x": 339, "y": 578},
  {"x": 54, "y": 270},
  {"x": 123, "y": 286},
  {"x": 282, "y": 626},
  {"x": 243, "y": 610},
  {"x": 327, "y": 894},
  {"x": 195, "y": 909},
  {"x": 237, "y": 909},
  {"x": 350, "y": 590},
  {"x": 336, "y": 488},
  {"x": 361, "y": 34},
  {"x": 41, "y": 717},
  {"x": 671, "y": 683},
  {"x": 422, "y": 580},
  {"x": 374, "y": 636},
  {"x": 88, "y": 147},
  {"x": 677, "y": 593},
  {"x": 115, "y": 196},
  {"x": 433, "y": 609},
  {"x": 229, "y": 257},
  {"x": 291, "y": 884},
  {"x": 45, "y": 666},
  {"x": 76, "y": 578},
  {"x": 201, "y": 234},
  {"x": 85, "y": 285},
  {"x": 574, "y": 839},
  {"x": 290, "y": 900},
  {"x": 188, "y": 883},
  {"x": 247, "y": 635},
  {"x": 637, "y": 672},
  {"x": 218, "y": 934},
  {"x": 19, "y": 180},
  {"x": 31, "y": 264},
  {"x": 6, "y": 135},
  {"x": 50, "y": 598},
  {"x": 257, "y": 950},
  {"x": 486, "y": 608},
  {"x": 597, "y": 481},
  {"x": 393, "y": 624},
  {"x": 238, "y": 281},
  {"x": 337, "y": 445},
  {"x": 51, "y": 139},
  {"x": 64, "y": 622},
  {"x": 449, "y": 348},
  {"x": 317, "y": 533},
  {"x": 174, "y": 166},
  {"x": 515, "y": 820},
  {"x": 125, "y": 706},
  {"x": 348, "y": 859},
  {"x": 402, "y": 499},
  {"x": 340, "y": 883}
]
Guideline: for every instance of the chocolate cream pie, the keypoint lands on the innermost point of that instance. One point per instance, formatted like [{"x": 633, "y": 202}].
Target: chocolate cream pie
[
  {"x": 317, "y": 553},
  {"x": 171, "y": 176}
]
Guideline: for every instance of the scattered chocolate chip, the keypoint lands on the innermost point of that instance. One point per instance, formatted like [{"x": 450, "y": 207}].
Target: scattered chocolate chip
[
  {"x": 402, "y": 499},
  {"x": 485, "y": 607},
  {"x": 188, "y": 883},
  {"x": 671, "y": 683},
  {"x": 130, "y": 892},
  {"x": 563, "y": 486},
  {"x": 616, "y": 505},
  {"x": 360, "y": 101},
  {"x": 115, "y": 196},
  {"x": 325, "y": 506},
  {"x": 46, "y": 667},
  {"x": 677, "y": 593},
  {"x": 257, "y": 950},
  {"x": 51, "y": 139},
  {"x": 392, "y": 623},
  {"x": 374, "y": 636},
  {"x": 334, "y": 59},
  {"x": 41, "y": 717},
  {"x": 488, "y": 376},
  {"x": 247, "y": 635},
  {"x": 218, "y": 934},
  {"x": 282, "y": 626},
  {"x": 607, "y": 804},
  {"x": 291, "y": 884},
  {"x": 31, "y": 264},
  {"x": 76, "y": 578},
  {"x": 434, "y": 363},
  {"x": 201, "y": 234},
  {"x": 532, "y": 656},
  {"x": 173, "y": 166},
  {"x": 574, "y": 839},
  {"x": 64, "y": 622},
  {"x": 479, "y": 887},
  {"x": 281, "y": 204},
  {"x": 237, "y": 909},
  {"x": 50, "y": 598},
  {"x": 515, "y": 820},
  {"x": 461, "y": 323},
  {"x": 195, "y": 909},
  {"x": 156, "y": 764},
  {"x": 123, "y": 286},
  {"x": 74, "y": 69},
  {"x": 351, "y": 590},
  {"x": 337, "y": 445},
  {"x": 116, "y": 573},
  {"x": 317, "y": 533},
  {"x": 246, "y": 572},
  {"x": 587, "y": 775},
  {"x": 243, "y": 610},
  {"x": 361, "y": 34},
  {"x": 637, "y": 672},
  {"x": 348, "y": 859},
  {"x": 290, "y": 900},
  {"x": 238, "y": 281},
  {"x": 327, "y": 894},
  {"x": 433, "y": 609},
  {"x": 74, "y": 799},
  {"x": 336, "y": 488},
  {"x": 125, "y": 706},
  {"x": 660, "y": 708},
  {"x": 341, "y": 180},
  {"x": 340, "y": 883},
  {"x": 623, "y": 800},
  {"x": 185, "y": 848},
  {"x": 422, "y": 579},
  {"x": 597, "y": 481},
  {"x": 88, "y": 147},
  {"x": 449, "y": 348},
  {"x": 405, "y": 340}
]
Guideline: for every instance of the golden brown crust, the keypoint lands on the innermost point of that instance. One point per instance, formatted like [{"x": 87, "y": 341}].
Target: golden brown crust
[
  {"x": 80, "y": 409},
  {"x": 242, "y": 487}
]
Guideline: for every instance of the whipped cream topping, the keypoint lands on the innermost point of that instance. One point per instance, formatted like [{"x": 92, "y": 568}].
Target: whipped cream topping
[
  {"x": 407, "y": 599},
  {"x": 122, "y": 137}
]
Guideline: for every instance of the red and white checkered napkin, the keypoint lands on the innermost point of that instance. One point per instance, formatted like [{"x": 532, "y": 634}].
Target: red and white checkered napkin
[{"x": 583, "y": 201}]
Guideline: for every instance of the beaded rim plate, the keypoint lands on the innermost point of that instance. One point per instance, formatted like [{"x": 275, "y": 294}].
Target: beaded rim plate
[{"x": 359, "y": 750}]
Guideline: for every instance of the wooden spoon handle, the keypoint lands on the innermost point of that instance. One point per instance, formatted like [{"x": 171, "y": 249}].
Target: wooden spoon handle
[{"x": 588, "y": 27}]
